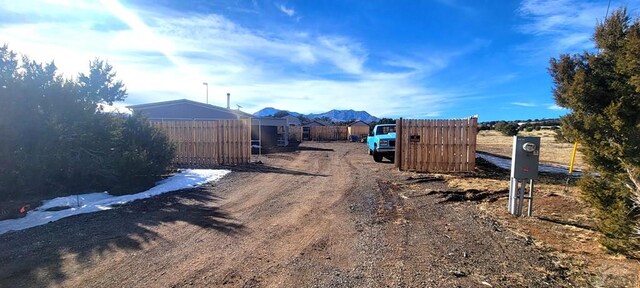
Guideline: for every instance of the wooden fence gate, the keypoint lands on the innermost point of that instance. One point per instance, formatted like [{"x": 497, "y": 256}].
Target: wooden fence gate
[
  {"x": 436, "y": 145},
  {"x": 329, "y": 133},
  {"x": 361, "y": 131},
  {"x": 207, "y": 143}
]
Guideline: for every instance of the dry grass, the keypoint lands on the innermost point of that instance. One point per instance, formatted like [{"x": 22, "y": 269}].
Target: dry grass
[
  {"x": 478, "y": 183},
  {"x": 577, "y": 249},
  {"x": 551, "y": 151}
]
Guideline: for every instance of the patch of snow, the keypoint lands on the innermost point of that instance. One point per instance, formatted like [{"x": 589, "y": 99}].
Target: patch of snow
[
  {"x": 74, "y": 200},
  {"x": 93, "y": 202},
  {"x": 505, "y": 163}
]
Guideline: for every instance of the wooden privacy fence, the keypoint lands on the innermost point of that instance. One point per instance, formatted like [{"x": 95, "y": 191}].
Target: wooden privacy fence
[
  {"x": 359, "y": 130},
  {"x": 295, "y": 133},
  {"x": 436, "y": 145},
  {"x": 329, "y": 133},
  {"x": 206, "y": 143}
]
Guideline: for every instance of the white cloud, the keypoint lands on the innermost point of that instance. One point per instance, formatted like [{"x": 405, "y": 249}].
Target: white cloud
[
  {"x": 560, "y": 26},
  {"x": 168, "y": 56},
  {"x": 555, "y": 107},
  {"x": 524, "y": 104},
  {"x": 289, "y": 11}
]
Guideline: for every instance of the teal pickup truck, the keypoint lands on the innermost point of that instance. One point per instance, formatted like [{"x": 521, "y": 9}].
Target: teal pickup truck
[{"x": 382, "y": 142}]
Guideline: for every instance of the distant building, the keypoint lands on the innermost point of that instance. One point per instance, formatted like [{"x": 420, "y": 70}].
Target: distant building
[
  {"x": 292, "y": 120},
  {"x": 360, "y": 129},
  {"x": 314, "y": 123},
  {"x": 359, "y": 123},
  {"x": 184, "y": 109},
  {"x": 272, "y": 131}
]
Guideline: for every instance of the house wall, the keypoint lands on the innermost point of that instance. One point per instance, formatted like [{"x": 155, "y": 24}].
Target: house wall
[
  {"x": 185, "y": 111},
  {"x": 293, "y": 121}
]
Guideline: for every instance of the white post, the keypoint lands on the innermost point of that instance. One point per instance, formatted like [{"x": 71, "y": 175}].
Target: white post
[{"x": 259, "y": 138}]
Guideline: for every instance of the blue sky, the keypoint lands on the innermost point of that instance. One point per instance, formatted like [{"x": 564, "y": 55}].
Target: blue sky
[{"x": 414, "y": 59}]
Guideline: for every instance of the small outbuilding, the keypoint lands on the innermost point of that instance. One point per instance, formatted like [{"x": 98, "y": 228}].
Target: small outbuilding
[
  {"x": 273, "y": 131},
  {"x": 270, "y": 131},
  {"x": 292, "y": 121},
  {"x": 306, "y": 129},
  {"x": 359, "y": 128}
]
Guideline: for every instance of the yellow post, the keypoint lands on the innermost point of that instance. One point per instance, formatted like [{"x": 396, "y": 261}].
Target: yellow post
[{"x": 573, "y": 157}]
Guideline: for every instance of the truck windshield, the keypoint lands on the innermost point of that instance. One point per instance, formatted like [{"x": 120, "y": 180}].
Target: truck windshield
[{"x": 385, "y": 130}]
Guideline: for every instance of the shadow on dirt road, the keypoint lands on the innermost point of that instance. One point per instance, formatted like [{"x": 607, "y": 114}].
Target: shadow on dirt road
[
  {"x": 127, "y": 228},
  {"x": 261, "y": 168}
]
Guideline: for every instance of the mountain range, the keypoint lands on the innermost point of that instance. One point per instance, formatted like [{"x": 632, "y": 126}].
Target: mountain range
[
  {"x": 334, "y": 115},
  {"x": 270, "y": 111}
]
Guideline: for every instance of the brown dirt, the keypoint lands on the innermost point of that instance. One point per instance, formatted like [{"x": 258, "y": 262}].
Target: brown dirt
[
  {"x": 562, "y": 224},
  {"x": 323, "y": 216}
]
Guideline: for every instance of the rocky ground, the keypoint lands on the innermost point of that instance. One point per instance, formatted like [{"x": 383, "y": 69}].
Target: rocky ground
[{"x": 325, "y": 215}]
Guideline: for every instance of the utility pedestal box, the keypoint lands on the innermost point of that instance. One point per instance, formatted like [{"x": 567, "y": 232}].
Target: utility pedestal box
[{"x": 525, "y": 159}]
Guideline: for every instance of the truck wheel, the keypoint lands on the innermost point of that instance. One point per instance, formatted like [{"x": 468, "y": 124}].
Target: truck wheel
[{"x": 377, "y": 157}]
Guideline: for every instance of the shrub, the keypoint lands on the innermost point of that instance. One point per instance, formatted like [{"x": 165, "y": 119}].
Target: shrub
[
  {"x": 507, "y": 128},
  {"x": 54, "y": 140}
]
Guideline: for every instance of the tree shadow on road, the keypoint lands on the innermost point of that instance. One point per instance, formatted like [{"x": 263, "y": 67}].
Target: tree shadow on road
[
  {"x": 36, "y": 257},
  {"x": 293, "y": 147},
  {"x": 262, "y": 168},
  {"x": 307, "y": 148}
]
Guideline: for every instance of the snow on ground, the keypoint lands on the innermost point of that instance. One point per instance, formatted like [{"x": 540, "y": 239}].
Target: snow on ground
[
  {"x": 93, "y": 202},
  {"x": 505, "y": 163}
]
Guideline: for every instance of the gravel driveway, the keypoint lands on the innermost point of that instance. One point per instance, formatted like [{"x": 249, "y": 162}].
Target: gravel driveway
[{"x": 323, "y": 216}]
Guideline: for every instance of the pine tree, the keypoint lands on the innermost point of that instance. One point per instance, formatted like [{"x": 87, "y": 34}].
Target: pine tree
[
  {"x": 602, "y": 90},
  {"x": 54, "y": 140}
]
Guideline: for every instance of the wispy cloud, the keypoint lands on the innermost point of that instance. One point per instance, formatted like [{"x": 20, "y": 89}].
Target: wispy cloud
[
  {"x": 555, "y": 107},
  {"x": 427, "y": 62},
  {"x": 524, "y": 104},
  {"x": 165, "y": 56},
  {"x": 561, "y": 25},
  {"x": 289, "y": 11}
]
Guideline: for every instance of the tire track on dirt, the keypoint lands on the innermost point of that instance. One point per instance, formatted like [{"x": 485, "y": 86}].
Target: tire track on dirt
[
  {"x": 326, "y": 216},
  {"x": 285, "y": 231}
]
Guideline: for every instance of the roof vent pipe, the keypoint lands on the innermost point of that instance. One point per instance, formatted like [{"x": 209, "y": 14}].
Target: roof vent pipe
[{"x": 228, "y": 100}]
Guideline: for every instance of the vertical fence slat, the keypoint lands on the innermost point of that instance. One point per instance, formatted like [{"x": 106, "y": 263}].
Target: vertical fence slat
[
  {"x": 444, "y": 145},
  {"x": 201, "y": 143},
  {"x": 429, "y": 131},
  {"x": 472, "y": 150},
  {"x": 439, "y": 145}
]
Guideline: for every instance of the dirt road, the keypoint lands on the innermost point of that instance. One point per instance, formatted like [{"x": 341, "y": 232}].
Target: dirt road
[{"x": 323, "y": 216}]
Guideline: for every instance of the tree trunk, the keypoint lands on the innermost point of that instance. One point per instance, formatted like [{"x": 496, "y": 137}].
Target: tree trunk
[{"x": 634, "y": 176}]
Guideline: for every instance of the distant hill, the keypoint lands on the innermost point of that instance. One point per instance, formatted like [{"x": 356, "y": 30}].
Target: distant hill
[
  {"x": 334, "y": 115},
  {"x": 270, "y": 111},
  {"x": 345, "y": 115}
]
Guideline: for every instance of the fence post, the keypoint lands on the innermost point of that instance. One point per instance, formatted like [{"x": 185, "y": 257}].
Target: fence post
[{"x": 398, "y": 154}]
